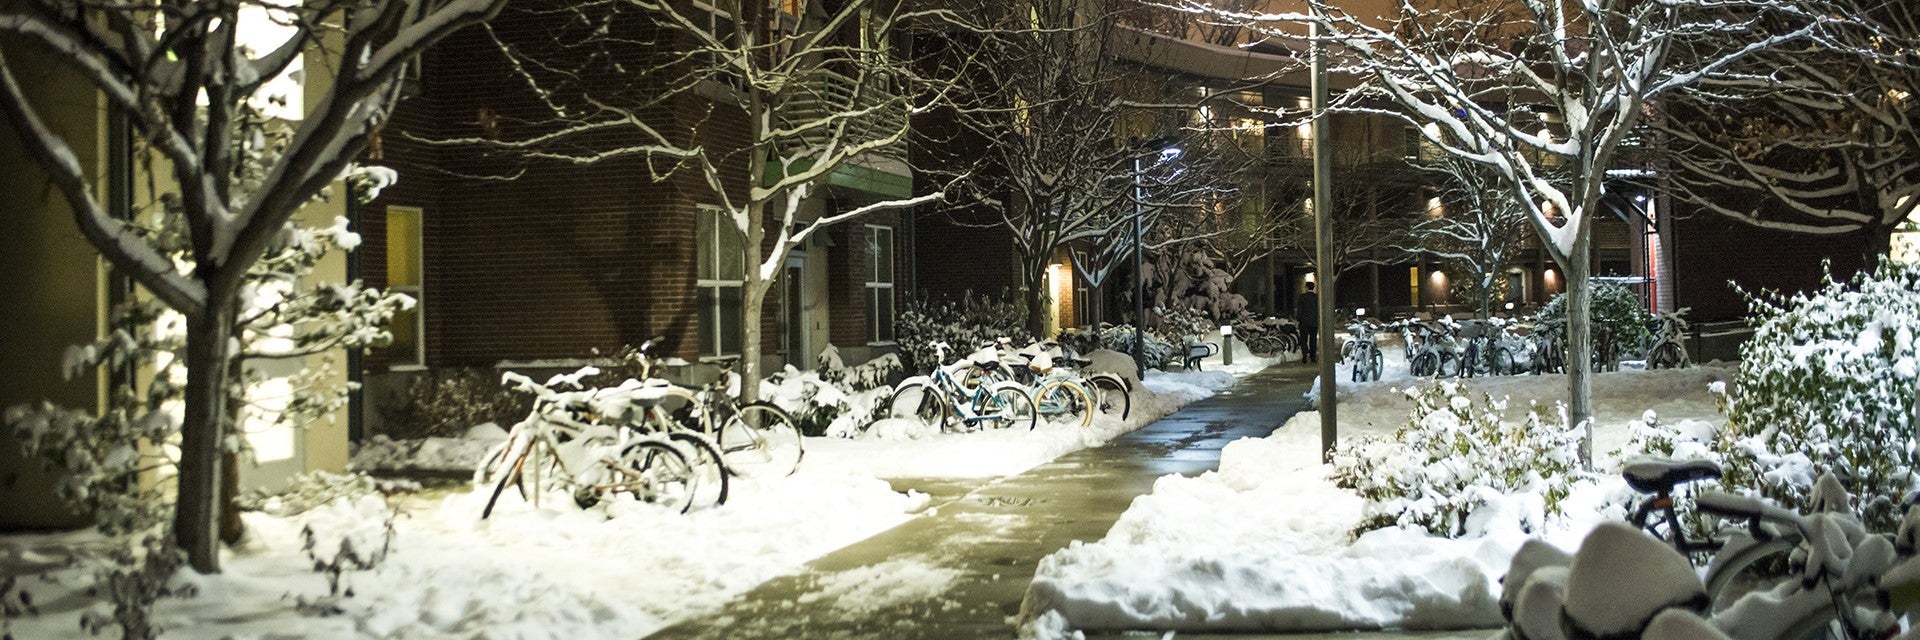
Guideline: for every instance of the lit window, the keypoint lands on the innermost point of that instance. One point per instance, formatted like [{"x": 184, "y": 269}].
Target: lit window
[{"x": 404, "y": 248}]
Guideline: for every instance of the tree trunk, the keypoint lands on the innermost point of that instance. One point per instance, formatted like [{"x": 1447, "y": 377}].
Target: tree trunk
[
  {"x": 1879, "y": 243},
  {"x": 1033, "y": 276},
  {"x": 197, "y": 507},
  {"x": 1580, "y": 345},
  {"x": 230, "y": 526},
  {"x": 753, "y": 294}
]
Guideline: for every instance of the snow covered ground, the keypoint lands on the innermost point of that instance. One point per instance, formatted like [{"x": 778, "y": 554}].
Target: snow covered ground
[
  {"x": 1266, "y": 542},
  {"x": 557, "y": 571}
]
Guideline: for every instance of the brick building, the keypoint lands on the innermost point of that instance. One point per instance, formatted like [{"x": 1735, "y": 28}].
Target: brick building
[{"x": 525, "y": 262}]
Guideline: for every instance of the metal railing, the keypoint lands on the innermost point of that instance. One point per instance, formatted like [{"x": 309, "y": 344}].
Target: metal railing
[{"x": 827, "y": 93}]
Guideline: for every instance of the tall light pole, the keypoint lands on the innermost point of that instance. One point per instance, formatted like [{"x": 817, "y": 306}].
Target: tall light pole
[
  {"x": 1167, "y": 152},
  {"x": 1323, "y": 235}
]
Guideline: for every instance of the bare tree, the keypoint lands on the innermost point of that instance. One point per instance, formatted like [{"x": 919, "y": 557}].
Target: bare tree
[
  {"x": 1478, "y": 227},
  {"x": 1817, "y": 139},
  {"x": 180, "y": 71},
  {"x": 1372, "y": 216},
  {"x": 1063, "y": 158},
  {"x": 1542, "y": 93},
  {"x": 808, "y": 88}
]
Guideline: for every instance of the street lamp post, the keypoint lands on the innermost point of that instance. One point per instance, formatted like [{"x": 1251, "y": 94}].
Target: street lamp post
[
  {"x": 1167, "y": 152},
  {"x": 1323, "y": 237}
]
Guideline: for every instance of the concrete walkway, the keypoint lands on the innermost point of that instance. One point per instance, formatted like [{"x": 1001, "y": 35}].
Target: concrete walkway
[{"x": 961, "y": 570}]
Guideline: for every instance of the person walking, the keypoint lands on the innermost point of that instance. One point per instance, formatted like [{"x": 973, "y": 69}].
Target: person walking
[{"x": 1306, "y": 311}]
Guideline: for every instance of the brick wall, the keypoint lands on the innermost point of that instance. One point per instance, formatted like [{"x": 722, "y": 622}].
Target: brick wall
[
  {"x": 553, "y": 260},
  {"x": 1710, "y": 251}
]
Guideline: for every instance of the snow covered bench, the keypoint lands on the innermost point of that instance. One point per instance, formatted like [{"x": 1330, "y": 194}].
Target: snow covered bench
[{"x": 1196, "y": 351}]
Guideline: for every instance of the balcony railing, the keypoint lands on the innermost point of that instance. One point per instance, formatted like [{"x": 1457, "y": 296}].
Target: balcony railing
[
  {"x": 828, "y": 93},
  {"x": 1290, "y": 149}
]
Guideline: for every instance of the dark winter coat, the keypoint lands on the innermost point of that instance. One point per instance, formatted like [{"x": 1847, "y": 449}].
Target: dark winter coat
[{"x": 1306, "y": 309}]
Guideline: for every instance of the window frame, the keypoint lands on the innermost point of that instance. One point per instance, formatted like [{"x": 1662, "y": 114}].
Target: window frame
[
  {"x": 417, "y": 291},
  {"x": 713, "y": 314},
  {"x": 873, "y": 284}
]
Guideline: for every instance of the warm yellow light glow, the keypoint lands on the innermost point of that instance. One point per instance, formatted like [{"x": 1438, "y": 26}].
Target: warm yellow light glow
[{"x": 1434, "y": 208}]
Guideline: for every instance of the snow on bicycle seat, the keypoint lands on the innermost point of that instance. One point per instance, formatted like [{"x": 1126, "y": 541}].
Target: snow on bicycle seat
[
  {"x": 1648, "y": 474},
  {"x": 651, "y": 392}
]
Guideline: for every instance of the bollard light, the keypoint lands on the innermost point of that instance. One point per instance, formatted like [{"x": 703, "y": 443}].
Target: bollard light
[{"x": 1226, "y": 344}]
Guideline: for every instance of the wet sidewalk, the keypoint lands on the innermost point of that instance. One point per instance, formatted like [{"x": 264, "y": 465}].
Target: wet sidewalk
[{"x": 961, "y": 570}]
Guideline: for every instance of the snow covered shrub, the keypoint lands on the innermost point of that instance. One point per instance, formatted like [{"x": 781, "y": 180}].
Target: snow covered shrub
[
  {"x": 1184, "y": 283},
  {"x": 1686, "y": 440},
  {"x": 1619, "y": 321},
  {"x": 346, "y": 535},
  {"x": 1827, "y": 383},
  {"x": 347, "y": 523},
  {"x": 834, "y": 400},
  {"x": 965, "y": 325},
  {"x": 447, "y": 402},
  {"x": 1456, "y": 456}
]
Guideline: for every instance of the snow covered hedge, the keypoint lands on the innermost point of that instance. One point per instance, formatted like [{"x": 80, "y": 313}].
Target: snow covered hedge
[
  {"x": 1456, "y": 467},
  {"x": 1619, "y": 322},
  {"x": 834, "y": 400},
  {"x": 1828, "y": 383},
  {"x": 965, "y": 325}
]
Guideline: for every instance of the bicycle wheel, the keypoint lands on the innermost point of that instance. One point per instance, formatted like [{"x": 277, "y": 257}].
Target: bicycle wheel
[
  {"x": 1502, "y": 362},
  {"x": 1425, "y": 365},
  {"x": 708, "y": 465},
  {"x": 1063, "y": 401},
  {"x": 1006, "y": 406},
  {"x": 760, "y": 440},
  {"x": 921, "y": 402},
  {"x": 651, "y": 471},
  {"x": 1110, "y": 395},
  {"x": 1665, "y": 356},
  {"x": 1744, "y": 566},
  {"x": 1379, "y": 364}
]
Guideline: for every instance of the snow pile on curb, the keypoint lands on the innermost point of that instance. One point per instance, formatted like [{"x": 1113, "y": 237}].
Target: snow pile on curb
[
  {"x": 1262, "y": 544},
  {"x": 1265, "y": 542}
]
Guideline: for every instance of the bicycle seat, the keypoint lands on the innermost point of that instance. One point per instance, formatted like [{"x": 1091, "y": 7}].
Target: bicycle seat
[
  {"x": 651, "y": 392},
  {"x": 1659, "y": 475}
]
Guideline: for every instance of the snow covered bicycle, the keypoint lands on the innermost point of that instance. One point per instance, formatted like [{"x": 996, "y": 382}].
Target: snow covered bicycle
[
  {"x": 562, "y": 445},
  {"x": 1840, "y": 580},
  {"x": 754, "y": 438},
  {"x": 944, "y": 398},
  {"x": 1512, "y": 353},
  {"x": 1269, "y": 337},
  {"x": 1362, "y": 351},
  {"x": 1667, "y": 347},
  {"x": 1059, "y": 389},
  {"x": 1432, "y": 350}
]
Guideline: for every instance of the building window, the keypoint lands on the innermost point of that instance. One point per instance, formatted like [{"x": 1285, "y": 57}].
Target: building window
[
  {"x": 879, "y": 284},
  {"x": 721, "y": 276},
  {"x": 404, "y": 249},
  {"x": 718, "y": 24}
]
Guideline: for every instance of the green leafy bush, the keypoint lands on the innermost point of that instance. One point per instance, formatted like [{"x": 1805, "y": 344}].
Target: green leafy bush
[
  {"x": 1456, "y": 456},
  {"x": 1620, "y": 320},
  {"x": 1828, "y": 383}
]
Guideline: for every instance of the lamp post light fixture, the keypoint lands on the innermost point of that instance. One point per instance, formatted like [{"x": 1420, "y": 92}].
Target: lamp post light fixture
[{"x": 1167, "y": 152}]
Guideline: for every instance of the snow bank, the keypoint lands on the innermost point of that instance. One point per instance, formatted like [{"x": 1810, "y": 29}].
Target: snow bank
[
  {"x": 555, "y": 571},
  {"x": 1265, "y": 543}
]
